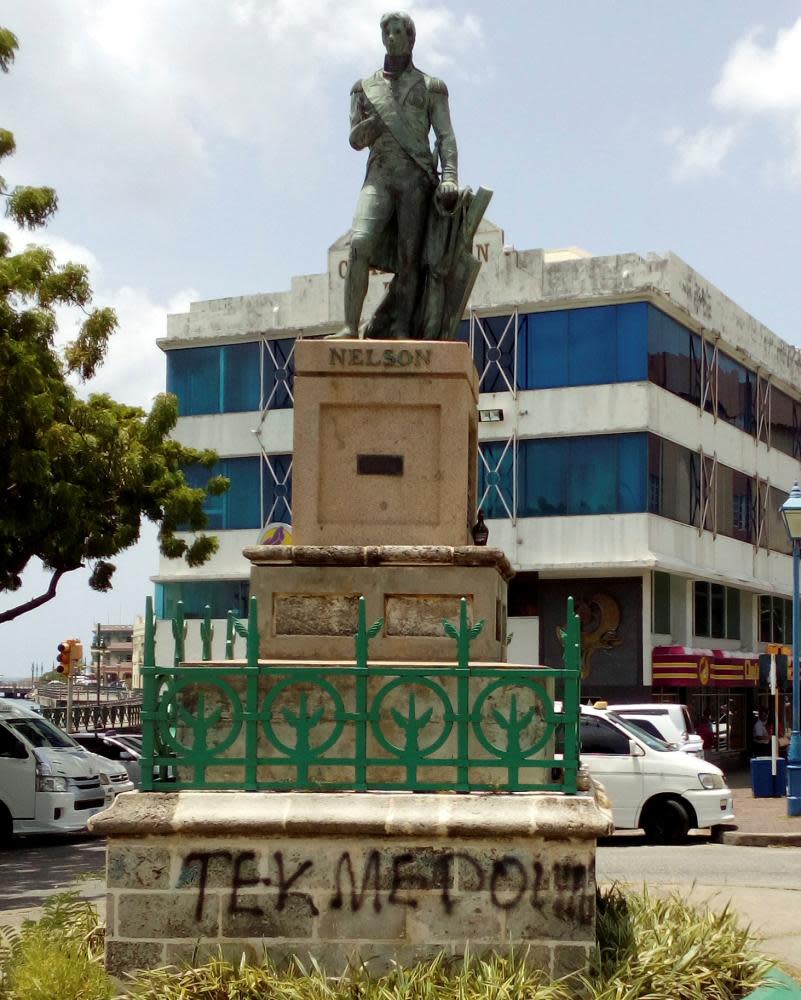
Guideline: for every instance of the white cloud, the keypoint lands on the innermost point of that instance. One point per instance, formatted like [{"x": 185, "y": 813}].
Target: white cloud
[
  {"x": 176, "y": 80},
  {"x": 762, "y": 78},
  {"x": 701, "y": 152},
  {"x": 759, "y": 92}
]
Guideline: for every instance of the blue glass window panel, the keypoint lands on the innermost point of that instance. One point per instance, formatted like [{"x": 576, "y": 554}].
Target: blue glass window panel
[
  {"x": 243, "y": 500},
  {"x": 599, "y": 474},
  {"x": 240, "y": 372},
  {"x": 543, "y": 351},
  {"x": 277, "y": 495},
  {"x": 214, "y": 507},
  {"x": 592, "y": 347},
  {"x": 592, "y": 475},
  {"x": 193, "y": 375},
  {"x": 498, "y": 482},
  {"x": 632, "y": 342},
  {"x": 632, "y": 474},
  {"x": 736, "y": 393},
  {"x": 279, "y": 374},
  {"x": 542, "y": 477},
  {"x": 221, "y": 596},
  {"x": 240, "y": 506}
]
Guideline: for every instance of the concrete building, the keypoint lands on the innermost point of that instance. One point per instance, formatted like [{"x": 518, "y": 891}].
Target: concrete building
[
  {"x": 639, "y": 432},
  {"x": 113, "y": 651}
]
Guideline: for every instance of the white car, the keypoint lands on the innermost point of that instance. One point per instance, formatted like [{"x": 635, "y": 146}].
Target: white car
[
  {"x": 672, "y": 722},
  {"x": 651, "y": 787},
  {"x": 47, "y": 785}
]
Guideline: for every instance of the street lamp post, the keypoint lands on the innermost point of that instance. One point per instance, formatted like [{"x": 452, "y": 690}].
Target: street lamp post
[{"x": 791, "y": 512}]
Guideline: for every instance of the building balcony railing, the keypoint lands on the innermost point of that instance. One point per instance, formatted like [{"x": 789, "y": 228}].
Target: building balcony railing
[{"x": 461, "y": 727}]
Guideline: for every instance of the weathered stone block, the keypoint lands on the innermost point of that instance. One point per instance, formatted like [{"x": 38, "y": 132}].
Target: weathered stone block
[
  {"x": 135, "y": 866},
  {"x": 569, "y": 958},
  {"x": 267, "y": 915},
  {"x": 124, "y": 956},
  {"x": 158, "y": 915}
]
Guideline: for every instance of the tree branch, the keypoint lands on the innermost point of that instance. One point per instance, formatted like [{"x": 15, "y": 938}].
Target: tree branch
[{"x": 35, "y": 602}]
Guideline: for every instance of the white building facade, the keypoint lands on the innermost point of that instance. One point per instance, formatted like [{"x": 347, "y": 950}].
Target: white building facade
[{"x": 639, "y": 432}]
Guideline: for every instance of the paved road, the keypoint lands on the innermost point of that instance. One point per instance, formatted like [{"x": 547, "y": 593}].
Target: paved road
[{"x": 763, "y": 884}]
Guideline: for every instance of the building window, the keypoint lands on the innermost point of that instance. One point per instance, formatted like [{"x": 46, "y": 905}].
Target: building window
[
  {"x": 599, "y": 474},
  {"x": 674, "y": 356},
  {"x": 591, "y": 346},
  {"x": 214, "y": 379},
  {"x": 660, "y": 601},
  {"x": 775, "y": 619},
  {"x": 736, "y": 394},
  {"x": 221, "y": 596},
  {"x": 674, "y": 481},
  {"x": 240, "y": 507},
  {"x": 785, "y": 417},
  {"x": 717, "y": 611}
]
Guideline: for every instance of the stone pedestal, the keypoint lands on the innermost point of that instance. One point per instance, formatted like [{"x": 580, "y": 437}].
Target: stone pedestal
[
  {"x": 385, "y": 443},
  {"x": 308, "y": 599},
  {"x": 350, "y": 877}
]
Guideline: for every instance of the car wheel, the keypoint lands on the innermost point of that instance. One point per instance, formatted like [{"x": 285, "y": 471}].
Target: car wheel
[{"x": 666, "y": 822}]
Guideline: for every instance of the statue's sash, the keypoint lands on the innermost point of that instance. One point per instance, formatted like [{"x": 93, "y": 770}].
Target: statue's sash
[{"x": 391, "y": 113}]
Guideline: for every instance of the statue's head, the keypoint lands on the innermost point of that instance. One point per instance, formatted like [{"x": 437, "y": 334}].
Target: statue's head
[{"x": 398, "y": 33}]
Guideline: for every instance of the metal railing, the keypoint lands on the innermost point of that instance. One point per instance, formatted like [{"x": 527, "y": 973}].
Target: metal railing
[
  {"x": 253, "y": 725},
  {"x": 88, "y": 718}
]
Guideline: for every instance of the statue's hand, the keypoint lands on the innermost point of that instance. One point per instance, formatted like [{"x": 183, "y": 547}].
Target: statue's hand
[{"x": 447, "y": 193}]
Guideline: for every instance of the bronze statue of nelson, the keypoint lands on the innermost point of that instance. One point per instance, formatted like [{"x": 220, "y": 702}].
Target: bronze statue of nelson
[{"x": 411, "y": 219}]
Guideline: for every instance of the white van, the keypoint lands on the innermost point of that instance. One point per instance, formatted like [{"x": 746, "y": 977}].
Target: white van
[
  {"x": 48, "y": 784},
  {"x": 672, "y": 722},
  {"x": 652, "y": 787}
]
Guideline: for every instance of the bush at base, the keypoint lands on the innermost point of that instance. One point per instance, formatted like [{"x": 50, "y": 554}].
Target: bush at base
[{"x": 659, "y": 949}]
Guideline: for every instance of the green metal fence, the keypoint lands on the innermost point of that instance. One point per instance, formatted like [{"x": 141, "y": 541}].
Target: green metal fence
[{"x": 254, "y": 725}]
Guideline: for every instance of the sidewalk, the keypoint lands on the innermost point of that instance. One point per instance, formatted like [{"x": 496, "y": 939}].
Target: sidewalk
[{"x": 758, "y": 822}]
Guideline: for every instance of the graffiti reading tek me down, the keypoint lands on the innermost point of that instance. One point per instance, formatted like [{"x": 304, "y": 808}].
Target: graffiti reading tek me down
[{"x": 387, "y": 879}]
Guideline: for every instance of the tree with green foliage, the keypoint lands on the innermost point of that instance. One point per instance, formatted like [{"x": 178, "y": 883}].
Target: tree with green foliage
[{"x": 76, "y": 476}]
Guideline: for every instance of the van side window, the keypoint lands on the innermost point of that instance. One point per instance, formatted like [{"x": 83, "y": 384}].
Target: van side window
[
  {"x": 10, "y": 746},
  {"x": 597, "y": 736}
]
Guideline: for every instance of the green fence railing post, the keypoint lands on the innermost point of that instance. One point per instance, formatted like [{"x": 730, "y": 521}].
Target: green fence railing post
[
  {"x": 253, "y": 634},
  {"x": 148, "y": 698},
  {"x": 362, "y": 649},
  {"x": 572, "y": 697},
  {"x": 179, "y": 634},
  {"x": 230, "y": 635},
  {"x": 206, "y": 634}
]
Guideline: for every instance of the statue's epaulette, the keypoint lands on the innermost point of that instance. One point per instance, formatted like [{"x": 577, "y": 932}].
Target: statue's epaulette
[
  {"x": 357, "y": 87},
  {"x": 437, "y": 86}
]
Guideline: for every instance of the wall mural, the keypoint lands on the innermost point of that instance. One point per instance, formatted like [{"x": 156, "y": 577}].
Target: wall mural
[{"x": 600, "y": 619}]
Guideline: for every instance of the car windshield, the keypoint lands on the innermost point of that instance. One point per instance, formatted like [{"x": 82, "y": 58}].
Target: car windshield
[
  {"x": 39, "y": 733},
  {"x": 642, "y": 736}
]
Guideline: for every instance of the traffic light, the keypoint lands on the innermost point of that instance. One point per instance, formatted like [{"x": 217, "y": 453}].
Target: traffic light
[
  {"x": 64, "y": 657},
  {"x": 76, "y": 655}
]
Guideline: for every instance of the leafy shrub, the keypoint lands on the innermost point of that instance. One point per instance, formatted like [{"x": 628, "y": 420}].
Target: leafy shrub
[{"x": 59, "y": 956}]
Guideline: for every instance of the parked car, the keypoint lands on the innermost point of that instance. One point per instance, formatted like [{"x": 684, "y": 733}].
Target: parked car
[
  {"x": 652, "y": 787},
  {"x": 113, "y": 747},
  {"x": 47, "y": 783},
  {"x": 672, "y": 721}
]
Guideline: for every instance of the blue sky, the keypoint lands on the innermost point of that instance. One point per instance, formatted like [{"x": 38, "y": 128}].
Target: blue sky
[{"x": 199, "y": 149}]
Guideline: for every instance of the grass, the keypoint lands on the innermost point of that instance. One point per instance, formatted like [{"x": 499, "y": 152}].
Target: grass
[{"x": 648, "y": 949}]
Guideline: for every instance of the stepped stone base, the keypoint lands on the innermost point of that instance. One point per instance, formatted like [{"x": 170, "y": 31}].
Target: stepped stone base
[
  {"x": 350, "y": 877},
  {"x": 308, "y": 599}
]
